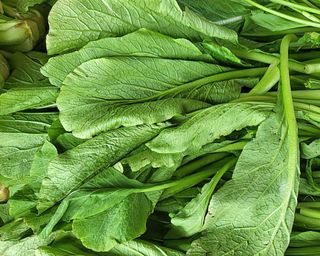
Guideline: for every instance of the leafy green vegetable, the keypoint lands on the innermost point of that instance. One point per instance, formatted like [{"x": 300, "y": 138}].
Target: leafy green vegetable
[
  {"x": 208, "y": 125},
  {"x": 106, "y": 149},
  {"x": 259, "y": 227},
  {"x": 88, "y": 21},
  {"x": 130, "y": 99},
  {"x": 159, "y": 127},
  {"x": 141, "y": 43}
]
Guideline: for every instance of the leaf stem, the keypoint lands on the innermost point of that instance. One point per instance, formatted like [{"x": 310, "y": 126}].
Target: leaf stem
[
  {"x": 282, "y": 15},
  {"x": 252, "y": 72},
  {"x": 296, "y": 6},
  {"x": 270, "y": 79},
  {"x": 271, "y": 59},
  {"x": 198, "y": 163}
]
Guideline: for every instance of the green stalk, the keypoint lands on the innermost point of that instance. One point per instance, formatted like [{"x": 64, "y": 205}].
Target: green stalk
[
  {"x": 270, "y": 59},
  {"x": 270, "y": 79},
  {"x": 302, "y": 94},
  {"x": 282, "y": 15},
  {"x": 303, "y": 251},
  {"x": 289, "y": 115},
  {"x": 252, "y": 72},
  {"x": 309, "y": 130},
  {"x": 309, "y": 212},
  {"x": 304, "y": 56},
  {"x": 237, "y": 146},
  {"x": 296, "y": 6},
  {"x": 306, "y": 222},
  {"x": 198, "y": 163},
  {"x": 176, "y": 186},
  {"x": 268, "y": 34},
  {"x": 309, "y": 204}
]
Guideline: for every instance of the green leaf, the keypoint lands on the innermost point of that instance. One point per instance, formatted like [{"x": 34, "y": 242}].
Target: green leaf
[
  {"x": 123, "y": 222},
  {"x": 310, "y": 150},
  {"x": 189, "y": 220},
  {"x": 146, "y": 157},
  {"x": 141, "y": 43},
  {"x": 253, "y": 213},
  {"x": 85, "y": 21},
  {"x": 13, "y": 231},
  {"x": 23, "y": 247},
  {"x": 123, "y": 92},
  {"x": 140, "y": 247},
  {"x": 23, "y": 138},
  {"x": 259, "y": 226},
  {"x": 26, "y": 88},
  {"x": 303, "y": 239},
  {"x": 17, "y": 99},
  {"x": 208, "y": 125},
  {"x": 87, "y": 160},
  {"x": 307, "y": 188}
]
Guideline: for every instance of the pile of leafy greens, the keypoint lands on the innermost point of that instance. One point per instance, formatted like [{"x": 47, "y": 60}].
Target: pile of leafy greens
[{"x": 153, "y": 128}]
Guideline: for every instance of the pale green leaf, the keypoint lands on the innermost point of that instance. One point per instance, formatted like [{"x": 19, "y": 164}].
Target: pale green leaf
[
  {"x": 208, "y": 125},
  {"x": 123, "y": 92},
  {"x": 88, "y": 159},
  {"x": 76, "y": 23},
  {"x": 141, "y": 43},
  {"x": 254, "y": 211},
  {"x": 123, "y": 222}
]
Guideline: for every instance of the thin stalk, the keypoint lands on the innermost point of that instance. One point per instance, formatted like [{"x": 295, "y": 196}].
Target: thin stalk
[
  {"x": 270, "y": 79},
  {"x": 309, "y": 4},
  {"x": 237, "y": 146},
  {"x": 299, "y": 104},
  {"x": 253, "y": 72},
  {"x": 282, "y": 15},
  {"x": 301, "y": 94},
  {"x": 270, "y": 59},
  {"x": 198, "y": 163},
  {"x": 308, "y": 204},
  {"x": 313, "y": 213},
  {"x": 309, "y": 130},
  {"x": 306, "y": 222},
  {"x": 304, "y": 56},
  {"x": 289, "y": 115},
  {"x": 281, "y": 33},
  {"x": 296, "y": 6},
  {"x": 192, "y": 180},
  {"x": 303, "y": 251}
]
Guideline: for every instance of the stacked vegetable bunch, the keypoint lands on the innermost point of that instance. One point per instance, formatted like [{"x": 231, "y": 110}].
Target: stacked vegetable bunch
[{"x": 163, "y": 128}]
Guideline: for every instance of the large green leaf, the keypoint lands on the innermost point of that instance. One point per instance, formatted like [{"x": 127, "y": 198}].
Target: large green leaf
[
  {"x": 123, "y": 222},
  {"x": 123, "y": 91},
  {"x": 22, "y": 137},
  {"x": 83, "y": 162},
  {"x": 75, "y": 24},
  {"x": 208, "y": 125},
  {"x": 26, "y": 87},
  {"x": 253, "y": 213},
  {"x": 141, "y": 43}
]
